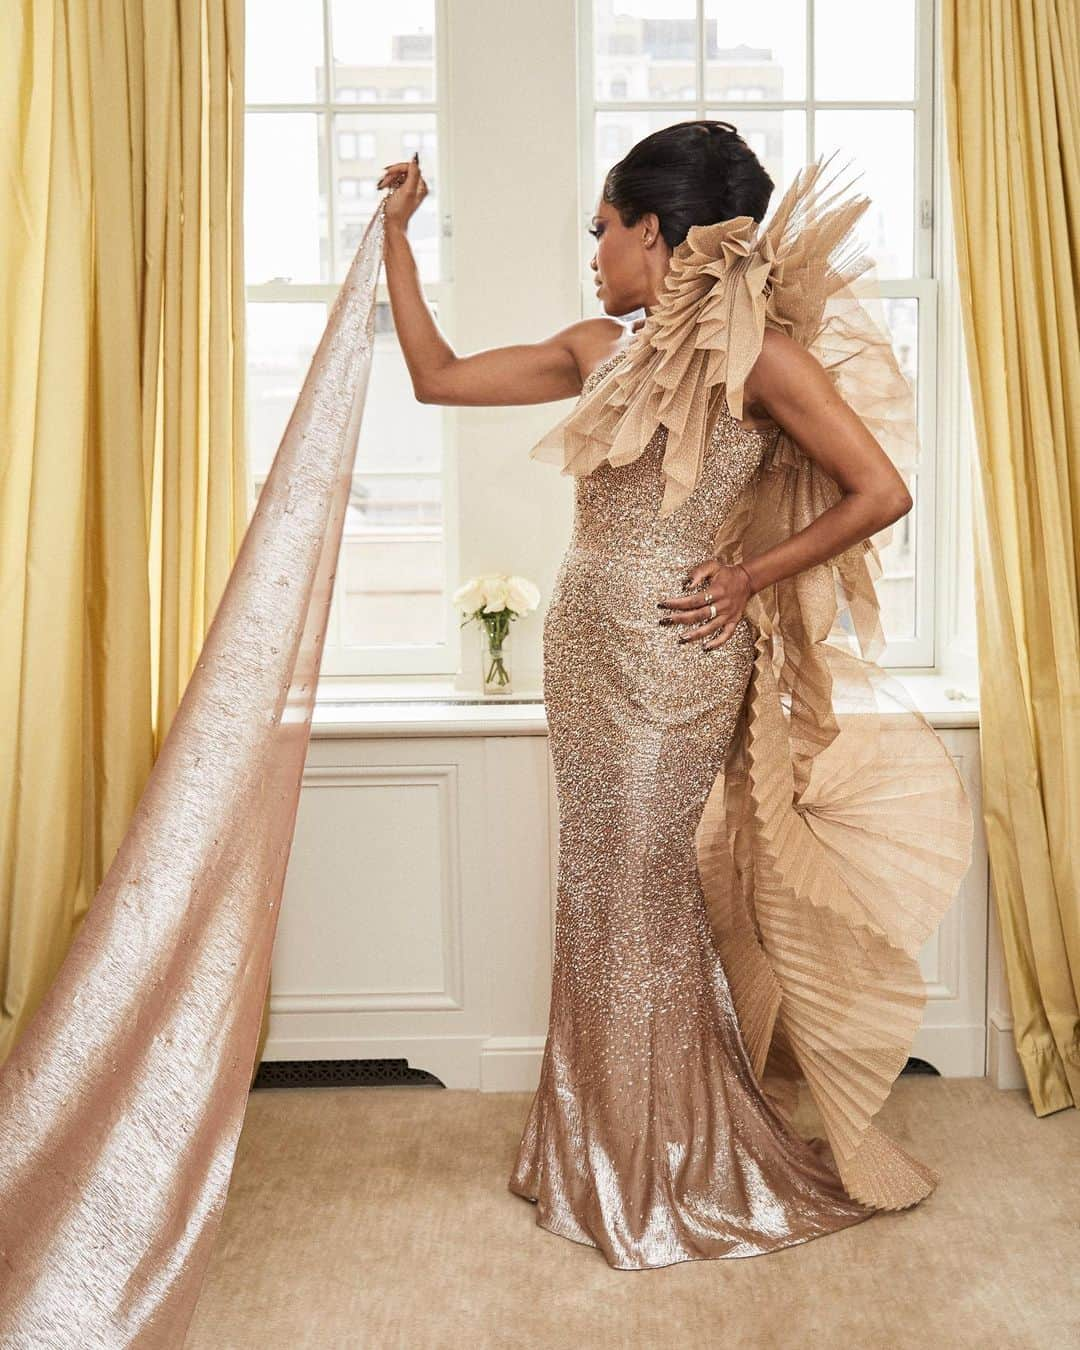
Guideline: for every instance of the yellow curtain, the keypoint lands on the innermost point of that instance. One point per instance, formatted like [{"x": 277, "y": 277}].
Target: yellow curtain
[
  {"x": 1012, "y": 98},
  {"x": 123, "y": 485}
]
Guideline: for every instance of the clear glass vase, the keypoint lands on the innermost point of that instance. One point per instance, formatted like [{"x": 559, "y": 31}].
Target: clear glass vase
[{"x": 495, "y": 650}]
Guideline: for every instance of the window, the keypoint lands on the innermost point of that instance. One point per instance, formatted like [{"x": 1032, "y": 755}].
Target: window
[
  {"x": 423, "y": 141},
  {"x": 356, "y": 145},
  {"x": 800, "y": 78},
  {"x": 335, "y": 91}
]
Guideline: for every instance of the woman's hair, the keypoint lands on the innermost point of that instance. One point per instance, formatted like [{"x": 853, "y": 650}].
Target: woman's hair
[{"x": 692, "y": 173}]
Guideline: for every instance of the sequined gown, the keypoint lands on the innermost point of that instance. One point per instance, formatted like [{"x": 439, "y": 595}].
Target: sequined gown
[{"x": 648, "y": 1136}]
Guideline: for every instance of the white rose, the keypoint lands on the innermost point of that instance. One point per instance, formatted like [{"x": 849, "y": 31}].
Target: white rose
[
  {"x": 495, "y": 594},
  {"x": 470, "y": 596},
  {"x": 522, "y": 594}
]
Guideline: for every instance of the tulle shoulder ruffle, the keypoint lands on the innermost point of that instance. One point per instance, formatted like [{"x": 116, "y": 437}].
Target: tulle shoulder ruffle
[
  {"x": 837, "y": 835},
  {"x": 836, "y": 838},
  {"x": 726, "y": 282}
]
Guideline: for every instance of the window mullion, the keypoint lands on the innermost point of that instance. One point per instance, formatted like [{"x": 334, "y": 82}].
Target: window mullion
[
  {"x": 924, "y": 148},
  {"x": 329, "y": 142},
  {"x": 587, "y": 141},
  {"x": 810, "y": 83}
]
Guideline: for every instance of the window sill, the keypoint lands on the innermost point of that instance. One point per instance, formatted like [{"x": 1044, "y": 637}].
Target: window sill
[
  {"x": 437, "y": 708},
  {"x": 426, "y": 708}
]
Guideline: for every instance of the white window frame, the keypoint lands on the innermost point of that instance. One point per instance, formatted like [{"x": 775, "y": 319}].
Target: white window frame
[
  {"x": 341, "y": 666},
  {"x": 917, "y": 654},
  {"x": 945, "y": 420}
]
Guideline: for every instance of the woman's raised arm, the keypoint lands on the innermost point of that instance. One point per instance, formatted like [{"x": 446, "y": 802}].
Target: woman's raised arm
[{"x": 527, "y": 372}]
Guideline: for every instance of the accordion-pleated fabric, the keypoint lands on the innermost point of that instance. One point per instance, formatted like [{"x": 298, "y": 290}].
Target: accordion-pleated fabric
[
  {"x": 121, "y": 1105},
  {"x": 837, "y": 831}
]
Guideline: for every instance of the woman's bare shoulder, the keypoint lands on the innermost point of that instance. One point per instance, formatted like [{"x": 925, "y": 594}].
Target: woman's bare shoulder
[
  {"x": 597, "y": 339},
  {"x": 781, "y": 358},
  {"x": 783, "y": 366}
]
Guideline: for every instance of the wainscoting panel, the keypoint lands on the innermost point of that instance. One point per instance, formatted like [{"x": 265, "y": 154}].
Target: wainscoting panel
[
  {"x": 418, "y": 914},
  {"x": 374, "y": 832}
]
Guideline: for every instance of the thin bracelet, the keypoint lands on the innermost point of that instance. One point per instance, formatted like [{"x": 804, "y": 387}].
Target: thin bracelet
[{"x": 749, "y": 578}]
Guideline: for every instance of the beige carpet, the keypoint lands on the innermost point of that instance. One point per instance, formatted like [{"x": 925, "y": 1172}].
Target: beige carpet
[{"x": 379, "y": 1217}]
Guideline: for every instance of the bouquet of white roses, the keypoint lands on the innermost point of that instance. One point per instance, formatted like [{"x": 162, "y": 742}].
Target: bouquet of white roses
[{"x": 495, "y": 600}]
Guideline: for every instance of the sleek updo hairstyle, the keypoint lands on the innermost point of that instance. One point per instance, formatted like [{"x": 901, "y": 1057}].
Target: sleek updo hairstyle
[{"x": 692, "y": 173}]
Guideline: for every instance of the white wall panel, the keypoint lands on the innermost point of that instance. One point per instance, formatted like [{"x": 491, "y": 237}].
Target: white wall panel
[{"x": 417, "y": 920}]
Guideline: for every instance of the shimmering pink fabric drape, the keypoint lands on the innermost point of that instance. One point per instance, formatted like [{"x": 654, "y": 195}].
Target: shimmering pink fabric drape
[{"x": 121, "y": 1106}]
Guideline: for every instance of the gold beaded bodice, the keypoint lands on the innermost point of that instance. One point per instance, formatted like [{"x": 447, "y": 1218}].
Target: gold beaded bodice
[{"x": 615, "y": 507}]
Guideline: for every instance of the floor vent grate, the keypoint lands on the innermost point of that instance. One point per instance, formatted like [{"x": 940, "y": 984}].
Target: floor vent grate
[{"x": 286, "y": 1073}]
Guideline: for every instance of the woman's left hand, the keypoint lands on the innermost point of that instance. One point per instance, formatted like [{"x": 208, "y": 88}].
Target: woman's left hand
[
  {"x": 407, "y": 190},
  {"x": 729, "y": 589}
]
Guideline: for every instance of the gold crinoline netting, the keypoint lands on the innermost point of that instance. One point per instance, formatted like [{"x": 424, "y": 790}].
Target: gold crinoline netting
[{"x": 839, "y": 831}]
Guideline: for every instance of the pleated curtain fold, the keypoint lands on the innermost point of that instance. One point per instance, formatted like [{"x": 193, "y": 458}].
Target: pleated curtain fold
[
  {"x": 123, "y": 482},
  {"x": 1012, "y": 102}
]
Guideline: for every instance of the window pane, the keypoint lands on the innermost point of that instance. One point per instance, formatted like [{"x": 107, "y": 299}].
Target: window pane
[
  {"x": 857, "y": 59},
  {"x": 645, "y": 50},
  {"x": 755, "y": 53},
  {"x": 392, "y": 589},
  {"x": 281, "y": 339},
  {"x": 392, "y": 579},
  {"x": 902, "y": 316},
  {"x": 616, "y": 132},
  {"x": 385, "y": 138},
  {"x": 896, "y": 588},
  {"x": 399, "y": 435},
  {"x": 777, "y": 138},
  {"x": 285, "y": 232},
  {"x": 383, "y": 53},
  {"x": 284, "y": 55},
  {"x": 881, "y": 147}
]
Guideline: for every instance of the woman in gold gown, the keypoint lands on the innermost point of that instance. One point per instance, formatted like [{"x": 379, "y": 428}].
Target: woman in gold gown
[{"x": 757, "y": 830}]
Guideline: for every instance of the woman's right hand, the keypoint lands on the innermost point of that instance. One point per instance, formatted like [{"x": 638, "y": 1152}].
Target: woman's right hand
[{"x": 407, "y": 190}]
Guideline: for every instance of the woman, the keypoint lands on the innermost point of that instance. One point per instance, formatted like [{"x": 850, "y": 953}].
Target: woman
[{"x": 745, "y": 877}]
